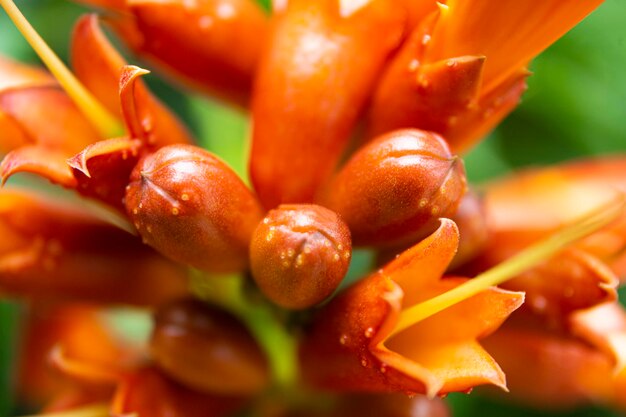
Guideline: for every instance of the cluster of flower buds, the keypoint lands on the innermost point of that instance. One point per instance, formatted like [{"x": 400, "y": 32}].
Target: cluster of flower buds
[{"x": 359, "y": 109}]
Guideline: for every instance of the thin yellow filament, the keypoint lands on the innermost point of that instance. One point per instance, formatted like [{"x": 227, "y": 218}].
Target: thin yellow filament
[
  {"x": 98, "y": 410},
  {"x": 105, "y": 122},
  {"x": 512, "y": 267}
]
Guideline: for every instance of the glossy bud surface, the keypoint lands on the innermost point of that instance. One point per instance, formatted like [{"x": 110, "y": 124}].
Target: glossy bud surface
[
  {"x": 207, "y": 349},
  {"x": 190, "y": 206},
  {"x": 394, "y": 189},
  {"x": 299, "y": 254}
]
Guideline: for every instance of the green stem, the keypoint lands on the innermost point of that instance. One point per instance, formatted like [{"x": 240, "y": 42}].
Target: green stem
[{"x": 279, "y": 345}]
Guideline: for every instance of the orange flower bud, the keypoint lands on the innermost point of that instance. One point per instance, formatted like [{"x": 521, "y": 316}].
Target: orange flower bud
[
  {"x": 207, "y": 349},
  {"x": 394, "y": 189},
  {"x": 312, "y": 83},
  {"x": 192, "y": 207},
  {"x": 299, "y": 254},
  {"x": 105, "y": 72}
]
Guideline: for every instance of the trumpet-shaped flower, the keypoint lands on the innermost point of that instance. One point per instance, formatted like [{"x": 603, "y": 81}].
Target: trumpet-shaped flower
[
  {"x": 454, "y": 76},
  {"x": 354, "y": 345}
]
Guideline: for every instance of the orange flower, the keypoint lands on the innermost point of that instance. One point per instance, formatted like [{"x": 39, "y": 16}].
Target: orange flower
[
  {"x": 354, "y": 345},
  {"x": 463, "y": 69},
  {"x": 534, "y": 203},
  {"x": 49, "y": 250}
]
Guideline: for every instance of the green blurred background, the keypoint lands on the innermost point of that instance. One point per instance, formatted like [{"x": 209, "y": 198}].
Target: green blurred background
[{"x": 575, "y": 107}]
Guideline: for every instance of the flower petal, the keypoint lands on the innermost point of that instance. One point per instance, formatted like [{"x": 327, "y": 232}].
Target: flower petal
[
  {"x": 482, "y": 28},
  {"x": 101, "y": 68},
  {"x": 48, "y": 163},
  {"x": 49, "y": 117},
  {"x": 48, "y": 251},
  {"x": 350, "y": 348},
  {"x": 102, "y": 170}
]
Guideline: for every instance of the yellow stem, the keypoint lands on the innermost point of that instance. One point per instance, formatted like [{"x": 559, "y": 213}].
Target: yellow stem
[
  {"x": 512, "y": 267},
  {"x": 105, "y": 122},
  {"x": 99, "y": 410}
]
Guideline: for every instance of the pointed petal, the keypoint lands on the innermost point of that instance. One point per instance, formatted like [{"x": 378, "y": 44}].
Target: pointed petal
[
  {"x": 101, "y": 68},
  {"x": 446, "y": 344},
  {"x": 48, "y": 163},
  {"x": 526, "y": 28},
  {"x": 425, "y": 262},
  {"x": 452, "y": 83},
  {"x": 349, "y": 347},
  {"x": 145, "y": 116},
  {"x": 49, "y": 117},
  {"x": 102, "y": 170},
  {"x": 469, "y": 128}
]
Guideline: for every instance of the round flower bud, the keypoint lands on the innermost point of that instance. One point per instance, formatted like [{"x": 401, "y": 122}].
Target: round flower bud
[
  {"x": 190, "y": 206},
  {"x": 299, "y": 254},
  {"x": 207, "y": 349},
  {"x": 393, "y": 190}
]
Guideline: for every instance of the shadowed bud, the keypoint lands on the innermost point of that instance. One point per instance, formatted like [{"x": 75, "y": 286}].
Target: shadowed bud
[
  {"x": 192, "y": 207},
  {"x": 207, "y": 349},
  {"x": 299, "y": 254},
  {"x": 393, "y": 190}
]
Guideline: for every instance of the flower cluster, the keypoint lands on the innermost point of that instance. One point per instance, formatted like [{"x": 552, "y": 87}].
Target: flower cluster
[{"x": 360, "y": 110}]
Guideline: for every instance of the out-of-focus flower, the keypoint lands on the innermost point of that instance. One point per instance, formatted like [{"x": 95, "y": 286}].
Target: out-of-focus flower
[
  {"x": 51, "y": 250},
  {"x": 534, "y": 203},
  {"x": 212, "y": 45},
  {"x": 313, "y": 81},
  {"x": 352, "y": 346},
  {"x": 570, "y": 336}
]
